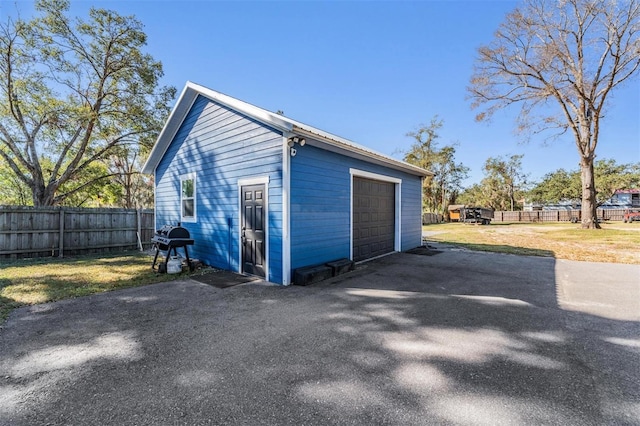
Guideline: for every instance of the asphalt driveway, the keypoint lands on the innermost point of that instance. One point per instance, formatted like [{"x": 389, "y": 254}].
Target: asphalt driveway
[{"x": 457, "y": 337}]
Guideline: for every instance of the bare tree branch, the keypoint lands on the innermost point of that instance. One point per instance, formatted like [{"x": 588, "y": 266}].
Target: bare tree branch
[{"x": 575, "y": 52}]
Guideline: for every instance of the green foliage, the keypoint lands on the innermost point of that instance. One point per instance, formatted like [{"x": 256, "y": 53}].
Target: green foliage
[
  {"x": 611, "y": 177},
  {"x": 502, "y": 187},
  {"x": 442, "y": 188},
  {"x": 560, "y": 61},
  {"x": 91, "y": 189},
  {"x": 557, "y": 186},
  {"x": 135, "y": 190},
  {"x": 14, "y": 191},
  {"x": 475, "y": 195},
  {"x": 73, "y": 93},
  {"x": 563, "y": 185}
]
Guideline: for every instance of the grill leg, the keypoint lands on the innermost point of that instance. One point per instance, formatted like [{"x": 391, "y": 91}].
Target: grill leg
[
  {"x": 166, "y": 260},
  {"x": 155, "y": 258},
  {"x": 186, "y": 252}
]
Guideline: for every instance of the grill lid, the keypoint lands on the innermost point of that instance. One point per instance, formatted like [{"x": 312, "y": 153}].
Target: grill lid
[{"x": 170, "y": 231}]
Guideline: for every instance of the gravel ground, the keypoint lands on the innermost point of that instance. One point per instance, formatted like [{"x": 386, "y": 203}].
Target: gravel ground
[{"x": 457, "y": 337}]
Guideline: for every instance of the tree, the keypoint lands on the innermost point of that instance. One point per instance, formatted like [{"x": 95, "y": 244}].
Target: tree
[
  {"x": 440, "y": 189},
  {"x": 71, "y": 93},
  {"x": 571, "y": 54},
  {"x": 14, "y": 191},
  {"x": 506, "y": 178},
  {"x": 609, "y": 177},
  {"x": 135, "y": 190},
  {"x": 476, "y": 195},
  {"x": 557, "y": 186},
  {"x": 503, "y": 184},
  {"x": 90, "y": 189}
]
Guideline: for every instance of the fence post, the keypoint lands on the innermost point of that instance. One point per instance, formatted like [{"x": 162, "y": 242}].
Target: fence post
[
  {"x": 139, "y": 222},
  {"x": 61, "y": 234}
]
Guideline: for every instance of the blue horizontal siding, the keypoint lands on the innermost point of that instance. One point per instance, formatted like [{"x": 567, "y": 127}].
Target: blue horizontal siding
[
  {"x": 321, "y": 205},
  {"x": 411, "y": 213},
  {"x": 221, "y": 147}
]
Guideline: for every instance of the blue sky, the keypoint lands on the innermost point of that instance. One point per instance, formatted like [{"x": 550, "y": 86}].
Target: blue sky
[{"x": 366, "y": 71}]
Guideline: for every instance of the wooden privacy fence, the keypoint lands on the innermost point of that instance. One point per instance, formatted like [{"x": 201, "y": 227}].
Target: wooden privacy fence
[
  {"x": 554, "y": 215},
  {"x": 59, "y": 231},
  {"x": 429, "y": 218}
]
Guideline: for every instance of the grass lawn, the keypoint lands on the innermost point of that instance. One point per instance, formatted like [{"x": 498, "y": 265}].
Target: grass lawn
[
  {"x": 616, "y": 242},
  {"x": 33, "y": 281}
]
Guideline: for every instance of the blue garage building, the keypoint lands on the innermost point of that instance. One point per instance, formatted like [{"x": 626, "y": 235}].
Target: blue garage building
[{"x": 263, "y": 194}]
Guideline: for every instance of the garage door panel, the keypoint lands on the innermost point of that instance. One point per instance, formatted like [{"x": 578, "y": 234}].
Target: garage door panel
[{"x": 373, "y": 218}]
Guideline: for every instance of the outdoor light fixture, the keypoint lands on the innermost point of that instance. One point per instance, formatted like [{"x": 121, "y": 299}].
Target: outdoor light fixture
[
  {"x": 296, "y": 140},
  {"x": 292, "y": 141}
]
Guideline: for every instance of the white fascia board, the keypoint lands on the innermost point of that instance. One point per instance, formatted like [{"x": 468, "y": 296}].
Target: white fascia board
[
  {"x": 183, "y": 106},
  {"x": 171, "y": 126},
  {"x": 343, "y": 146},
  {"x": 284, "y": 124},
  {"x": 267, "y": 117}
]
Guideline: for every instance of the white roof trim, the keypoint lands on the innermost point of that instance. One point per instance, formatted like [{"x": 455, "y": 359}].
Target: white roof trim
[{"x": 277, "y": 121}]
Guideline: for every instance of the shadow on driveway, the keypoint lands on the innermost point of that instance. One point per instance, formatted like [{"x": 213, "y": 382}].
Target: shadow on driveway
[{"x": 457, "y": 338}]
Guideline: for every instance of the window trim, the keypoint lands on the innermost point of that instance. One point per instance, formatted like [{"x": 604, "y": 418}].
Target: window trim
[{"x": 194, "y": 218}]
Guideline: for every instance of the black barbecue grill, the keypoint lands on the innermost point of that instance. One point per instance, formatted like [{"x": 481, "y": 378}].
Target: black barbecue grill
[{"x": 170, "y": 238}]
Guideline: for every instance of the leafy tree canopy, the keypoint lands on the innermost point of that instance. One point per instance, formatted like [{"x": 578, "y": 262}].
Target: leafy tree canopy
[
  {"x": 442, "y": 188},
  {"x": 502, "y": 187},
  {"x": 73, "y": 93},
  {"x": 563, "y": 185}
]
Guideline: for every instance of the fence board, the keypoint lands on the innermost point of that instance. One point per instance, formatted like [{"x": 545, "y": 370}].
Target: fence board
[
  {"x": 49, "y": 231},
  {"x": 554, "y": 215},
  {"x": 429, "y": 218}
]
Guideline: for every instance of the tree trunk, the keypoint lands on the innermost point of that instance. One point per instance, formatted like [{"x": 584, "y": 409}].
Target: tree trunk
[
  {"x": 589, "y": 203},
  {"x": 43, "y": 196}
]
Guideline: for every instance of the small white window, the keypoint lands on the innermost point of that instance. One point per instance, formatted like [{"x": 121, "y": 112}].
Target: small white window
[{"x": 188, "y": 198}]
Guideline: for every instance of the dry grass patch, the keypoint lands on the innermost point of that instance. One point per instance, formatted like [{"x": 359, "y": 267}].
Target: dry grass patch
[
  {"x": 615, "y": 243},
  {"x": 33, "y": 281}
]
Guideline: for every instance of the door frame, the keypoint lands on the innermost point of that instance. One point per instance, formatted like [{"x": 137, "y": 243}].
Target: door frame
[
  {"x": 397, "y": 239},
  {"x": 246, "y": 182}
]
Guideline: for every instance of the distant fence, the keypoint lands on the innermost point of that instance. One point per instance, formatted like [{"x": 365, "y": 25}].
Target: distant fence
[
  {"x": 60, "y": 231},
  {"x": 554, "y": 215},
  {"x": 429, "y": 218}
]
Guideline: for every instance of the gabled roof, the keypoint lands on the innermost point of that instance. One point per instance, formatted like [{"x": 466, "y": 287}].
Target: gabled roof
[{"x": 280, "y": 122}]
